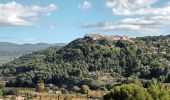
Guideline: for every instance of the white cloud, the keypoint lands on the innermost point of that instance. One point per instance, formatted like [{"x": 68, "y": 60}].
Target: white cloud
[
  {"x": 30, "y": 39},
  {"x": 129, "y": 7},
  {"x": 12, "y": 13},
  {"x": 149, "y": 21},
  {"x": 137, "y": 7},
  {"x": 52, "y": 26},
  {"x": 50, "y": 8},
  {"x": 152, "y": 21},
  {"x": 85, "y": 5},
  {"x": 107, "y": 26},
  {"x": 144, "y": 25}
]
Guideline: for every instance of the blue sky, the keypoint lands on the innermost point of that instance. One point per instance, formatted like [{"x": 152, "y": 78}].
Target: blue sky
[{"x": 61, "y": 21}]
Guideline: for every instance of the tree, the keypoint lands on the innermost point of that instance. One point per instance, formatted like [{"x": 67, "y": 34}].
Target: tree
[
  {"x": 85, "y": 89},
  {"x": 128, "y": 92},
  {"x": 10, "y": 91},
  {"x": 159, "y": 91},
  {"x": 1, "y": 93},
  {"x": 76, "y": 88},
  {"x": 40, "y": 86}
]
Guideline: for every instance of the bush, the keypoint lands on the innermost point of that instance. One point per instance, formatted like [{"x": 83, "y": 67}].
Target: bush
[
  {"x": 10, "y": 91},
  {"x": 85, "y": 89},
  {"x": 2, "y": 86},
  {"x": 40, "y": 86},
  {"x": 76, "y": 89},
  {"x": 63, "y": 90},
  {"x": 109, "y": 86},
  {"x": 128, "y": 92},
  {"x": 1, "y": 93},
  {"x": 159, "y": 92}
]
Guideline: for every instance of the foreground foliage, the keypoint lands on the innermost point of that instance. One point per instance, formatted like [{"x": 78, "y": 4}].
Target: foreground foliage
[
  {"x": 8, "y": 91},
  {"x": 136, "y": 92}
]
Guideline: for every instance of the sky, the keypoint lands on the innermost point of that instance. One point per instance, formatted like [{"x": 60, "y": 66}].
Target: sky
[{"x": 62, "y": 21}]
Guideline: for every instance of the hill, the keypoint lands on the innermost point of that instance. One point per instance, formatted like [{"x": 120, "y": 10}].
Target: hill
[
  {"x": 10, "y": 51},
  {"x": 89, "y": 61}
]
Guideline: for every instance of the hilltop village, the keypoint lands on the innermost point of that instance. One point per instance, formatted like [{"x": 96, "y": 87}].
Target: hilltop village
[{"x": 109, "y": 37}]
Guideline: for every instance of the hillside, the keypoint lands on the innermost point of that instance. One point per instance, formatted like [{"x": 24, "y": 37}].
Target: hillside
[
  {"x": 85, "y": 61},
  {"x": 10, "y": 51}
]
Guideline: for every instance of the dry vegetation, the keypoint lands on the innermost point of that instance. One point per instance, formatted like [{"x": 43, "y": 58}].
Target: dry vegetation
[{"x": 30, "y": 93}]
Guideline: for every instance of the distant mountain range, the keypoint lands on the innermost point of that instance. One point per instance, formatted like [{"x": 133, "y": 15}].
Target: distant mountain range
[{"x": 10, "y": 51}]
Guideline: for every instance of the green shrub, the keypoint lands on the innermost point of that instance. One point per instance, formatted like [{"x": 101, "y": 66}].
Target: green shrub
[
  {"x": 40, "y": 86},
  {"x": 10, "y": 91},
  {"x": 128, "y": 92},
  {"x": 1, "y": 93},
  {"x": 85, "y": 89},
  {"x": 159, "y": 92},
  {"x": 2, "y": 86},
  {"x": 63, "y": 90},
  {"x": 76, "y": 89}
]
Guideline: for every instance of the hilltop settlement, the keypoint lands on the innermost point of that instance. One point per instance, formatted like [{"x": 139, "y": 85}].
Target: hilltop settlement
[{"x": 108, "y": 37}]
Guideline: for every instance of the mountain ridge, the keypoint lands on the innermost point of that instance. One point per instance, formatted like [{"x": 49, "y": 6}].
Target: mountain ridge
[
  {"x": 84, "y": 61},
  {"x": 10, "y": 51}
]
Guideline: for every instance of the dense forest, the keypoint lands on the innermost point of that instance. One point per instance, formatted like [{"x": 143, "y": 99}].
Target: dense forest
[{"x": 91, "y": 62}]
